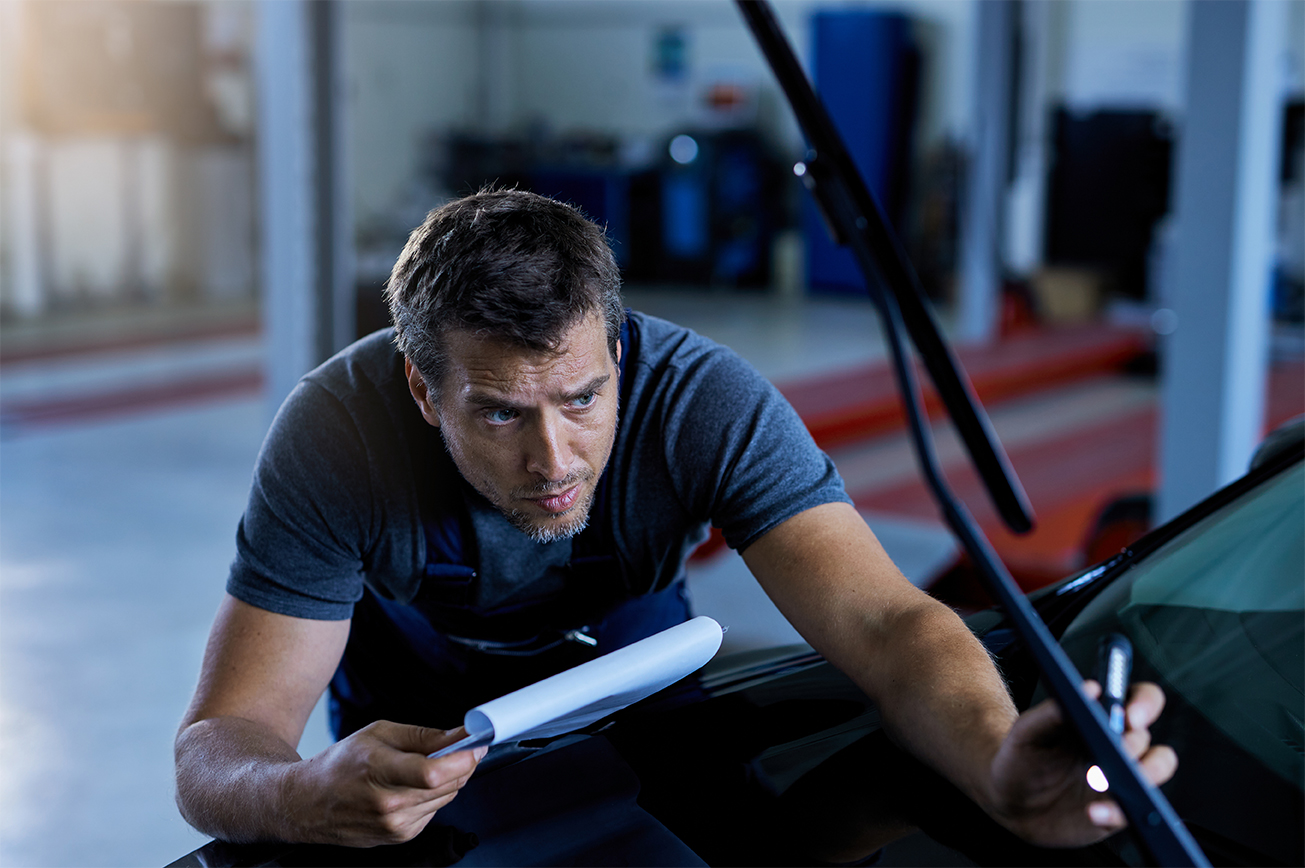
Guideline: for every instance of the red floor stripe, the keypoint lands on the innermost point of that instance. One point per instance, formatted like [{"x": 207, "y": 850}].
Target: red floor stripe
[
  {"x": 57, "y": 349},
  {"x": 37, "y": 413},
  {"x": 863, "y": 402},
  {"x": 1069, "y": 480}
]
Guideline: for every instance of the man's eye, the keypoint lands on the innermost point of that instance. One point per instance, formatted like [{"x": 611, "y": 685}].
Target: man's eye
[
  {"x": 501, "y": 415},
  {"x": 586, "y": 399}
]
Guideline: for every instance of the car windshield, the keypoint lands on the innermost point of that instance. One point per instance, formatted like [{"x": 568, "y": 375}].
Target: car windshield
[{"x": 1218, "y": 614}]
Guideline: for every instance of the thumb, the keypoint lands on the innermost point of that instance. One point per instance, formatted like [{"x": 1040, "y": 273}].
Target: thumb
[{"x": 416, "y": 739}]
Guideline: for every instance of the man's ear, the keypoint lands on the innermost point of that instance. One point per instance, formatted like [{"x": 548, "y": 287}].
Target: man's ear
[{"x": 420, "y": 394}]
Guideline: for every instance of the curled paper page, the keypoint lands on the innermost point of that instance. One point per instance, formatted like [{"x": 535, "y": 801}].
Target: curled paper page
[{"x": 577, "y": 697}]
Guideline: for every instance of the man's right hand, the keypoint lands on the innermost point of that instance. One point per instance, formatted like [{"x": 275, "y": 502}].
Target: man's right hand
[
  {"x": 377, "y": 786},
  {"x": 239, "y": 776}
]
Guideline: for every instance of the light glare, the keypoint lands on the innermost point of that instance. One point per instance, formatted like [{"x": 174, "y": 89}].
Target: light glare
[
  {"x": 1164, "y": 321},
  {"x": 684, "y": 149},
  {"x": 1097, "y": 779}
]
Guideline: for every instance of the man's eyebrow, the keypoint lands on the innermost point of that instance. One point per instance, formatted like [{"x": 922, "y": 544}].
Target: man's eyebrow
[
  {"x": 592, "y": 386},
  {"x": 484, "y": 399},
  {"x": 487, "y": 399}
]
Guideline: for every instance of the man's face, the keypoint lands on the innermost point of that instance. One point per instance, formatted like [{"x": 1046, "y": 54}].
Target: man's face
[{"x": 530, "y": 431}]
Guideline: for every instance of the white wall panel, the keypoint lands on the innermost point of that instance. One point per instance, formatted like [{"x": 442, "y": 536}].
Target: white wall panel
[
  {"x": 87, "y": 231},
  {"x": 411, "y": 72}
]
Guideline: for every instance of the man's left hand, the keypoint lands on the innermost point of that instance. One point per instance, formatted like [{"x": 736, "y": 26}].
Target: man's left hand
[{"x": 1039, "y": 776}]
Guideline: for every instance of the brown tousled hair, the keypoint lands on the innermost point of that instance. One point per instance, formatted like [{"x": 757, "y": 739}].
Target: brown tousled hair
[{"x": 505, "y": 264}]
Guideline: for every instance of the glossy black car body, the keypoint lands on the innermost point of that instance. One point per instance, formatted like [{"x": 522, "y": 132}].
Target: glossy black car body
[{"x": 776, "y": 758}]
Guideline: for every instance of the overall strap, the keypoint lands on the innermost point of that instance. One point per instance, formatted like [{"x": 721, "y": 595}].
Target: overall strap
[{"x": 594, "y": 555}]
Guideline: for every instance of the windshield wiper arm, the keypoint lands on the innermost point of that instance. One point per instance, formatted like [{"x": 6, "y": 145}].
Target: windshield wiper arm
[{"x": 857, "y": 221}]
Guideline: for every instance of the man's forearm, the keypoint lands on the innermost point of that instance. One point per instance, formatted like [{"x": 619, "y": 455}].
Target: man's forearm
[
  {"x": 232, "y": 779},
  {"x": 941, "y": 696},
  {"x": 935, "y": 686},
  {"x": 238, "y": 781}
]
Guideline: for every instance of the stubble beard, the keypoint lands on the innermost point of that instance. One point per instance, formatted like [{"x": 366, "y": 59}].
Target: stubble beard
[
  {"x": 553, "y": 528},
  {"x": 558, "y": 527},
  {"x": 549, "y": 528}
]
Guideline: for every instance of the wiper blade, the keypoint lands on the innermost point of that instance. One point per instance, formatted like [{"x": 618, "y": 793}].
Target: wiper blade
[
  {"x": 854, "y": 217},
  {"x": 857, "y": 221}
]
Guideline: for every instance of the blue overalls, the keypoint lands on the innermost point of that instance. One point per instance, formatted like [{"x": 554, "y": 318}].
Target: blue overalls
[{"x": 429, "y": 661}]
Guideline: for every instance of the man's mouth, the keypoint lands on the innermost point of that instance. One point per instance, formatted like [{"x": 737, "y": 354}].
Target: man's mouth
[{"x": 560, "y": 502}]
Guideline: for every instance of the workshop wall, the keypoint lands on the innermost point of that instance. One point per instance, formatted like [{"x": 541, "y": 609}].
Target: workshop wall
[
  {"x": 1125, "y": 55},
  {"x": 158, "y": 212},
  {"x": 589, "y": 69},
  {"x": 635, "y": 71},
  {"x": 412, "y": 70},
  {"x": 126, "y": 137},
  {"x": 417, "y": 70}
]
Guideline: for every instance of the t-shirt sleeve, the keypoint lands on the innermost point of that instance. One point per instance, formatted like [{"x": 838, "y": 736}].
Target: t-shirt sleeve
[
  {"x": 741, "y": 456},
  {"x": 301, "y": 544}
]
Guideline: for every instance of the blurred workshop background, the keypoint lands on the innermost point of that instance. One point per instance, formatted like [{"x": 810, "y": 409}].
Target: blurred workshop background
[{"x": 201, "y": 199}]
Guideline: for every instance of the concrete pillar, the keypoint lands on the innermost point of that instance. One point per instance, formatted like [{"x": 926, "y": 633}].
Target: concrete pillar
[
  {"x": 1041, "y": 26},
  {"x": 24, "y": 291},
  {"x": 337, "y": 283},
  {"x": 306, "y": 225},
  {"x": 1213, "y": 365},
  {"x": 22, "y": 169},
  {"x": 978, "y": 303}
]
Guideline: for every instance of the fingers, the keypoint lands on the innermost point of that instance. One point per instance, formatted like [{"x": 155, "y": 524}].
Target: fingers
[
  {"x": 377, "y": 786},
  {"x": 1159, "y": 764},
  {"x": 415, "y": 739},
  {"x": 429, "y": 778},
  {"x": 1040, "y": 773},
  {"x": 1145, "y": 702},
  {"x": 1106, "y": 815},
  {"x": 416, "y": 771},
  {"x": 408, "y": 787}
]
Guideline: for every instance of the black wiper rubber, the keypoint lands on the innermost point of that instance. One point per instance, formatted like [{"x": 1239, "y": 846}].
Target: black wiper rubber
[{"x": 857, "y": 221}]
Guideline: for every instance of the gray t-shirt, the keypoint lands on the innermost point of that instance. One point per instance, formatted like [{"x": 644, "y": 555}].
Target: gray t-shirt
[{"x": 338, "y": 490}]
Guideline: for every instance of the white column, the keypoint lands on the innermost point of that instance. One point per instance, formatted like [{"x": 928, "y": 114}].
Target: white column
[
  {"x": 979, "y": 298},
  {"x": 306, "y": 231},
  {"x": 1041, "y": 28},
  {"x": 1213, "y": 366},
  {"x": 285, "y": 162},
  {"x": 24, "y": 290},
  {"x": 337, "y": 279},
  {"x": 21, "y": 286}
]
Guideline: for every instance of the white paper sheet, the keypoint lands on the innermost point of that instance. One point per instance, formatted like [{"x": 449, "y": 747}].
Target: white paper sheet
[{"x": 579, "y": 696}]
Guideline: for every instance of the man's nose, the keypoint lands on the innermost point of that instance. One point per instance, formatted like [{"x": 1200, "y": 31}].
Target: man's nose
[{"x": 550, "y": 454}]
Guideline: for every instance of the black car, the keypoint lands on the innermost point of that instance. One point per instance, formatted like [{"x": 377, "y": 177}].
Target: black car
[{"x": 776, "y": 758}]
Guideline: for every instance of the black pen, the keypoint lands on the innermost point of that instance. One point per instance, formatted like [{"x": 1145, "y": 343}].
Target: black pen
[{"x": 1114, "y": 667}]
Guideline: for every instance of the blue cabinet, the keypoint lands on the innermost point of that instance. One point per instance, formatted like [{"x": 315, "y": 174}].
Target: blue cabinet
[{"x": 865, "y": 68}]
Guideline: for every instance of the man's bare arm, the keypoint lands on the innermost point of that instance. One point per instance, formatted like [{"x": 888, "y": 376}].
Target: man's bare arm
[
  {"x": 239, "y": 776},
  {"x": 937, "y": 690}
]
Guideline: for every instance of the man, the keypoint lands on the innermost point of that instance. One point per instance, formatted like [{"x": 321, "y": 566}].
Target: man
[{"x": 515, "y": 489}]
